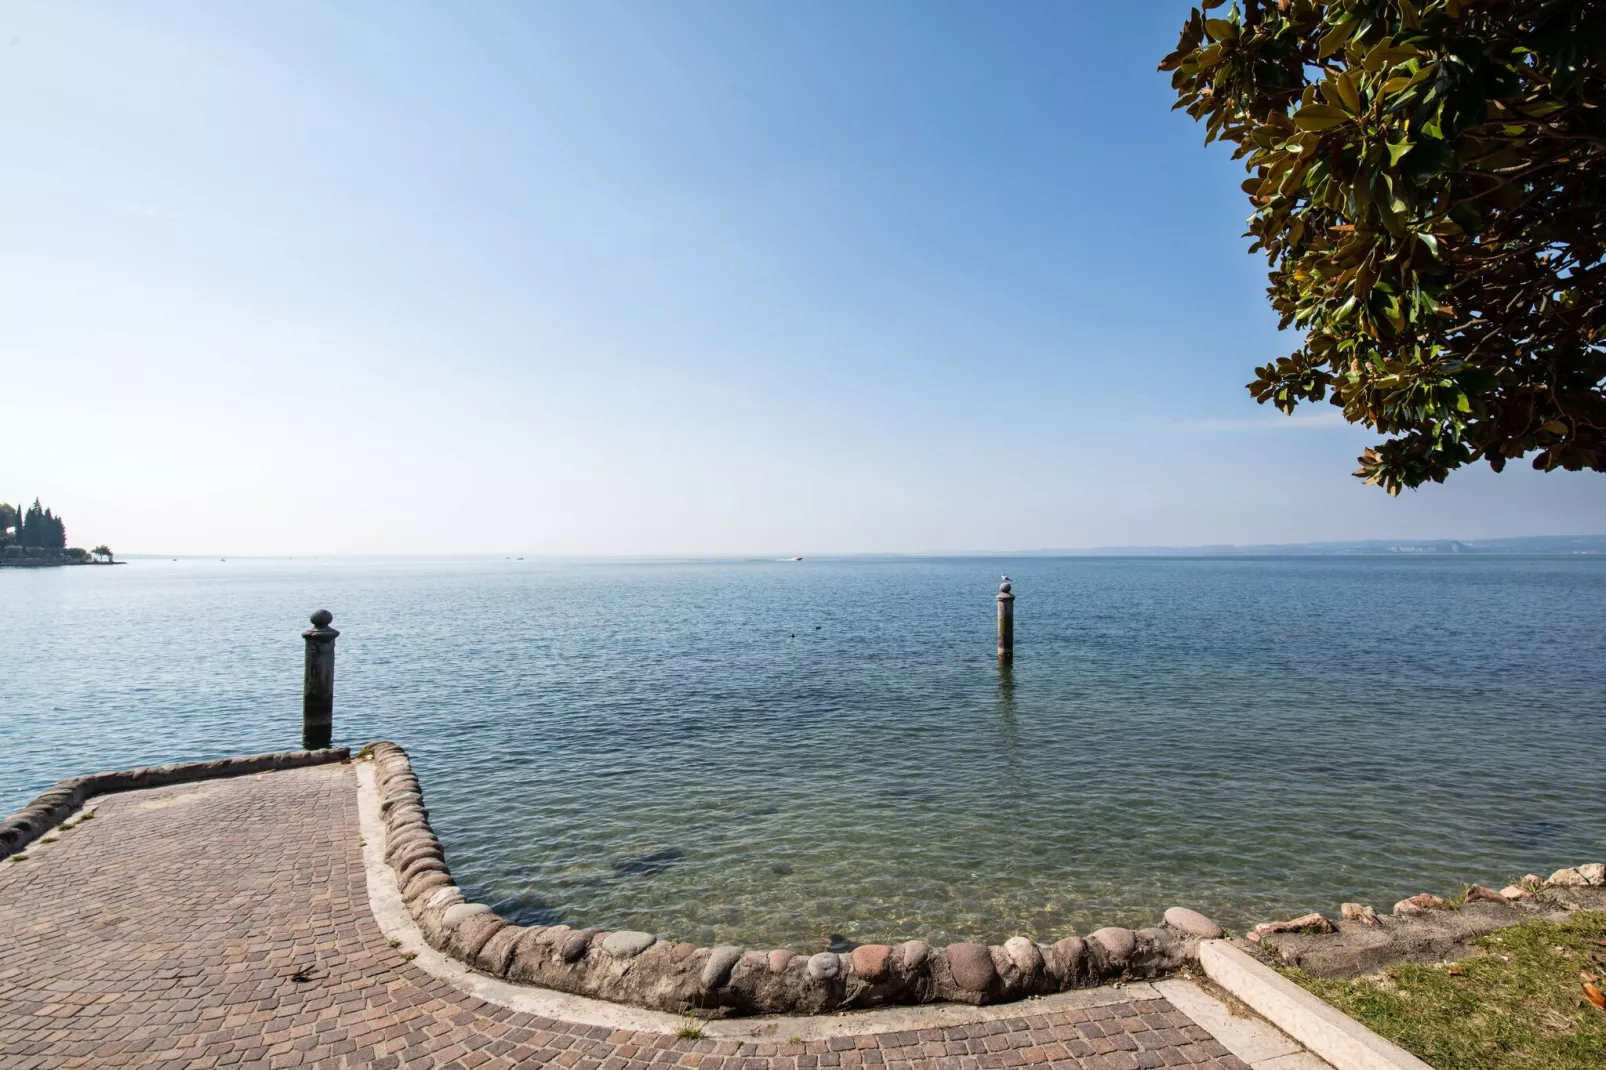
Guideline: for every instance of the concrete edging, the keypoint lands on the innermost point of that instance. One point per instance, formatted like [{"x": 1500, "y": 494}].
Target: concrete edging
[
  {"x": 1336, "y": 1037},
  {"x": 59, "y": 801}
]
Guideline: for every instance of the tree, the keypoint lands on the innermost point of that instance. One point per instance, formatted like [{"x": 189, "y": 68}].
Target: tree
[
  {"x": 42, "y": 529},
  {"x": 102, "y": 551},
  {"x": 10, "y": 518},
  {"x": 1428, "y": 180}
]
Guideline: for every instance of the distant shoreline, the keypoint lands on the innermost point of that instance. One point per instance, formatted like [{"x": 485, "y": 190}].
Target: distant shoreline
[
  {"x": 1520, "y": 546},
  {"x": 55, "y": 560}
]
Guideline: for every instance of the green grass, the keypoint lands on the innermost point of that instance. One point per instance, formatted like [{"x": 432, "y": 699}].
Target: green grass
[
  {"x": 690, "y": 1028},
  {"x": 1518, "y": 1004}
]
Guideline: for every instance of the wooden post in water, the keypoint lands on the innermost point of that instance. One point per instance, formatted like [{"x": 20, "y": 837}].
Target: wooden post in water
[
  {"x": 1006, "y": 624},
  {"x": 318, "y": 689}
]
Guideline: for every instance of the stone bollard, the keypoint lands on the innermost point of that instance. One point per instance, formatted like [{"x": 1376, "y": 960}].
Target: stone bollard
[
  {"x": 1006, "y": 623},
  {"x": 318, "y": 690}
]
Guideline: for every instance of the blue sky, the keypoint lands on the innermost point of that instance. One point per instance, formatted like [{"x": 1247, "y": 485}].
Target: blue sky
[{"x": 650, "y": 278}]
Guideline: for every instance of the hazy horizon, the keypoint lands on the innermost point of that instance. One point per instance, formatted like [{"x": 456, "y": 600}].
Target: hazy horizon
[
  {"x": 781, "y": 555},
  {"x": 679, "y": 280}
]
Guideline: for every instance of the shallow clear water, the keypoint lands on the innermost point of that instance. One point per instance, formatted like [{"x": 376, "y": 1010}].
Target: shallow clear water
[{"x": 771, "y": 753}]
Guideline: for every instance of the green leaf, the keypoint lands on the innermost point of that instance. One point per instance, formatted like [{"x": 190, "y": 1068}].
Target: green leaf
[
  {"x": 1335, "y": 39},
  {"x": 1348, "y": 93},
  {"x": 1541, "y": 108},
  {"x": 1319, "y": 117},
  {"x": 1397, "y": 149}
]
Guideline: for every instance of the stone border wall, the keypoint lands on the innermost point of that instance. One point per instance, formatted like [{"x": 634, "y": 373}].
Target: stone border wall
[
  {"x": 640, "y": 969},
  {"x": 1424, "y": 927},
  {"x": 58, "y": 803}
]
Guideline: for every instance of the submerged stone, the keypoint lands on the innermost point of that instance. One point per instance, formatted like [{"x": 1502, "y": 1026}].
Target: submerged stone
[{"x": 648, "y": 864}]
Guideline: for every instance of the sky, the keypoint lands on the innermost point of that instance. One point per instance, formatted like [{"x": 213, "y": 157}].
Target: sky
[{"x": 650, "y": 278}]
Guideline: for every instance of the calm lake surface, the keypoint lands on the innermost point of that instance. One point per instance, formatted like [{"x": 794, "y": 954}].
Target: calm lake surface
[{"x": 770, "y": 753}]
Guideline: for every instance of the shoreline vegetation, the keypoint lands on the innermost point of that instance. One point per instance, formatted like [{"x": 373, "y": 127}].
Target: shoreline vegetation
[
  {"x": 36, "y": 537},
  {"x": 1526, "y": 1000}
]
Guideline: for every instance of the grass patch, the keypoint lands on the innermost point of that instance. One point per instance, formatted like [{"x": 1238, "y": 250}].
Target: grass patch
[
  {"x": 690, "y": 1029},
  {"x": 1519, "y": 1004}
]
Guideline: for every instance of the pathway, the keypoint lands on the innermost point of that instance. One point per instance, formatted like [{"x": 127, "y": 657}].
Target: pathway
[{"x": 227, "y": 923}]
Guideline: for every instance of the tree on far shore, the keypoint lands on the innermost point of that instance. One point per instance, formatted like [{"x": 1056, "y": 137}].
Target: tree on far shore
[
  {"x": 10, "y": 517},
  {"x": 102, "y": 551},
  {"x": 1428, "y": 181},
  {"x": 42, "y": 529}
]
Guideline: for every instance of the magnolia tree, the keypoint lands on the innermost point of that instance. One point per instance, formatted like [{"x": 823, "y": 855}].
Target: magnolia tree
[{"x": 1429, "y": 187}]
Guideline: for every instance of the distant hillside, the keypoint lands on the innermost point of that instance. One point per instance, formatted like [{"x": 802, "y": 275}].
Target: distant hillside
[{"x": 1524, "y": 544}]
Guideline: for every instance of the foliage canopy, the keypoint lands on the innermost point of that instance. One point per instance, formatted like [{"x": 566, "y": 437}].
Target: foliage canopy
[
  {"x": 41, "y": 528},
  {"x": 1429, "y": 187}
]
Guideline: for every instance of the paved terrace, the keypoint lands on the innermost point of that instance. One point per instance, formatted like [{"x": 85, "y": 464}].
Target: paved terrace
[{"x": 227, "y": 923}]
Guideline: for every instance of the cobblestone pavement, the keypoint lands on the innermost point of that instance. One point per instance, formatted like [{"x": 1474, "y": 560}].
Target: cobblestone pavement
[{"x": 226, "y": 923}]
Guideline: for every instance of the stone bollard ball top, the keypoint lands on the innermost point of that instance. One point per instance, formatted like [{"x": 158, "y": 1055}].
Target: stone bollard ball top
[{"x": 322, "y": 618}]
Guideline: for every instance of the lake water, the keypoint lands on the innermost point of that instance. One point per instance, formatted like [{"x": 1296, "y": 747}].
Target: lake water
[{"x": 771, "y": 753}]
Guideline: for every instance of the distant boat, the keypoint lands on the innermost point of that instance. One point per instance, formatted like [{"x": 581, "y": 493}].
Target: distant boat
[{"x": 797, "y": 559}]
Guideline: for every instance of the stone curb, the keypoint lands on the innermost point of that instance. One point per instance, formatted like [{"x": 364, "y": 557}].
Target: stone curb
[
  {"x": 642, "y": 970},
  {"x": 398, "y": 926},
  {"x": 1341, "y": 1040},
  {"x": 59, "y": 802},
  {"x": 1423, "y": 927}
]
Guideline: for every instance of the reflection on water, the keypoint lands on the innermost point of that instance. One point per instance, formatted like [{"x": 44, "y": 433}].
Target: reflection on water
[
  {"x": 828, "y": 752},
  {"x": 1009, "y": 731}
]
